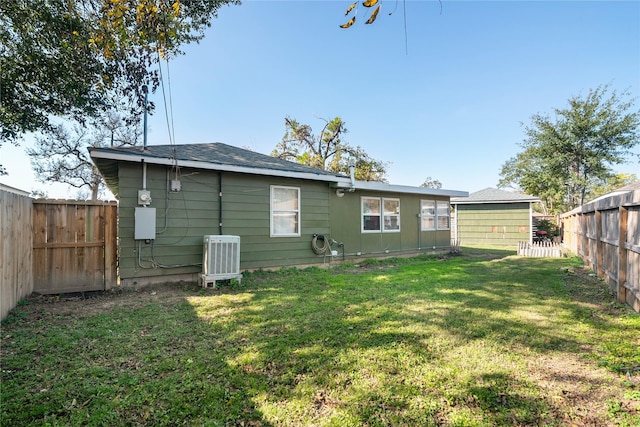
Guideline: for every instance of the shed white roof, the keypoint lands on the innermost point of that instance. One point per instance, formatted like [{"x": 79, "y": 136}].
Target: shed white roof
[{"x": 494, "y": 195}]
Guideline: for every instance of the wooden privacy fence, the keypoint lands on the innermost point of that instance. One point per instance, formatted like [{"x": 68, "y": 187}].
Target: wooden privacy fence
[
  {"x": 541, "y": 249},
  {"x": 54, "y": 246},
  {"x": 16, "y": 278},
  {"x": 605, "y": 233},
  {"x": 74, "y": 246}
]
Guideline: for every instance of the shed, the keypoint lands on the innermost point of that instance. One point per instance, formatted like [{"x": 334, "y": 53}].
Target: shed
[
  {"x": 285, "y": 213},
  {"x": 493, "y": 217}
]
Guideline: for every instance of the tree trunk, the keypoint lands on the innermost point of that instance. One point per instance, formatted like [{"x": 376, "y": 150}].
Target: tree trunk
[{"x": 94, "y": 191}]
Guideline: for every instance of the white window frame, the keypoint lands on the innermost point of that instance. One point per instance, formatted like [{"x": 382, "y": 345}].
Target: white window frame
[
  {"x": 423, "y": 215},
  {"x": 273, "y": 212},
  {"x": 447, "y": 208},
  {"x": 436, "y": 205},
  {"x": 381, "y": 215},
  {"x": 370, "y": 214},
  {"x": 386, "y": 215}
]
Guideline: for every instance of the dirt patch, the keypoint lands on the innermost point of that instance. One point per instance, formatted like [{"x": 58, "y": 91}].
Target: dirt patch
[
  {"x": 579, "y": 394},
  {"x": 591, "y": 291},
  {"x": 372, "y": 265},
  {"x": 84, "y": 304}
]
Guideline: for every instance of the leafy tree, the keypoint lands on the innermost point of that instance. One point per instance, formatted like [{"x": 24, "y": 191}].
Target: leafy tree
[
  {"x": 612, "y": 183},
  {"x": 77, "y": 59},
  {"x": 567, "y": 156},
  {"x": 431, "y": 183},
  {"x": 60, "y": 154},
  {"x": 327, "y": 150}
]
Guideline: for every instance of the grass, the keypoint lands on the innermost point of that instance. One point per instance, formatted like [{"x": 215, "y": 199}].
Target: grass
[{"x": 480, "y": 339}]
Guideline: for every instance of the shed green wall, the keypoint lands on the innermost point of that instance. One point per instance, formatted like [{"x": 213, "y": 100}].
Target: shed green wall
[{"x": 494, "y": 223}]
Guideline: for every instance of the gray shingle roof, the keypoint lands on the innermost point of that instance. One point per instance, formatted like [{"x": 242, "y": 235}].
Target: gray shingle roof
[
  {"x": 216, "y": 153},
  {"x": 493, "y": 195},
  {"x": 223, "y": 157}
]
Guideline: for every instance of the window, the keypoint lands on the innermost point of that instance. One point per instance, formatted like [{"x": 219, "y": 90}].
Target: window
[
  {"x": 444, "y": 213},
  {"x": 380, "y": 215},
  {"x": 428, "y": 214},
  {"x": 285, "y": 211},
  {"x": 435, "y": 215},
  {"x": 370, "y": 214},
  {"x": 391, "y": 212}
]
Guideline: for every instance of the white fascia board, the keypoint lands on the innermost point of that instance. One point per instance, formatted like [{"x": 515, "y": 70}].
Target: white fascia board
[
  {"x": 379, "y": 186},
  {"x": 217, "y": 167},
  {"x": 14, "y": 190},
  {"x": 491, "y": 202}
]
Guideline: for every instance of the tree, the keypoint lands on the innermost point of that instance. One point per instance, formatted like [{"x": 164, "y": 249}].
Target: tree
[
  {"x": 327, "y": 150},
  {"x": 77, "y": 59},
  {"x": 431, "y": 183},
  {"x": 612, "y": 183},
  {"x": 567, "y": 156},
  {"x": 60, "y": 154}
]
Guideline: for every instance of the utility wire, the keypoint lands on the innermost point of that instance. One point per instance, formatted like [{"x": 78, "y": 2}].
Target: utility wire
[{"x": 168, "y": 113}]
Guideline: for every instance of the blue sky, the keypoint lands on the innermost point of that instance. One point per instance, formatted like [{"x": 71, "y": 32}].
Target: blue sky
[{"x": 449, "y": 105}]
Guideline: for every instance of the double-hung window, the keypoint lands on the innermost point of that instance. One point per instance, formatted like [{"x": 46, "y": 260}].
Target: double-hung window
[
  {"x": 380, "y": 215},
  {"x": 443, "y": 213},
  {"x": 391, "y": 213},
  {"x": 285, "y": 211},
  {"x": 371, "y": 214},
  {"x": 434, "y": 215},
  {"x": 428, "y": 214}
]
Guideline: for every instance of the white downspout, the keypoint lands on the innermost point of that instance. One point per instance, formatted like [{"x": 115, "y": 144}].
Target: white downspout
[{"x": 144, "y": 175}]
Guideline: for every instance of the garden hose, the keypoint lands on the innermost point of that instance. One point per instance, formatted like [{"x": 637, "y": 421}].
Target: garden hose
[{"x": 320, "y": 250}]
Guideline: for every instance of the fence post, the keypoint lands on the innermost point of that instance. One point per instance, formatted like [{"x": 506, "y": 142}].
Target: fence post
[
  {"x": 110, "y": 245},
  {"x": 599, "y": 258},
  {"x": 584, "y": 241},
  {"x": 621, "y": 289}
]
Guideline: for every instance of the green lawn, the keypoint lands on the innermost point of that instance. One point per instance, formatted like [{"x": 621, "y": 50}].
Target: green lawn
[{"x": 481, "y": 339}]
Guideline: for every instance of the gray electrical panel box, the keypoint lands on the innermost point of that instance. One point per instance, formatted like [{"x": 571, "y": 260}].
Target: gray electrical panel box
[{"x": 145, "y": 224}]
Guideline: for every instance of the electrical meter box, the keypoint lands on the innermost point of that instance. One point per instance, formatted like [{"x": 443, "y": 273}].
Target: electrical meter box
[
  {"x": 144, "y": 197},
  {"x": 145, "y": 224}
]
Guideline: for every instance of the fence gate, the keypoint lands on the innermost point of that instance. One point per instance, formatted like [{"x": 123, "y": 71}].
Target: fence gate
[{"x": 74, "y": 246}]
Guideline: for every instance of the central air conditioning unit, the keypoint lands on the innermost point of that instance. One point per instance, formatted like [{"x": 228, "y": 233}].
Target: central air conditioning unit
[{"x": 220, "y": 259}]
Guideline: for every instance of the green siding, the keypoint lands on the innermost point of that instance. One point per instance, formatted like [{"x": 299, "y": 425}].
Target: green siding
[
  {"x": 191, "y": 214},
  {"x": 194, "y": 212},
  {"x": 246, "y": 202},
  {"x": 184, "y": 217},
  {"x": 346, "y": 227},
  {"x": 494, "y": 223}
]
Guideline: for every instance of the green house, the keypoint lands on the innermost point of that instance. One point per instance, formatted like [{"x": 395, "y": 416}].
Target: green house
[
  {"x": 493, "y": 217},
  {"x": 285, "y": 214}
]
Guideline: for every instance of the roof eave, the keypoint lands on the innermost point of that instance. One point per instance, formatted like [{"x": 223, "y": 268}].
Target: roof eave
[
  {"x": 382, "y": 187},
  {"x": 477, "y": 202},
  {"x": 129, "y": 157}
]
